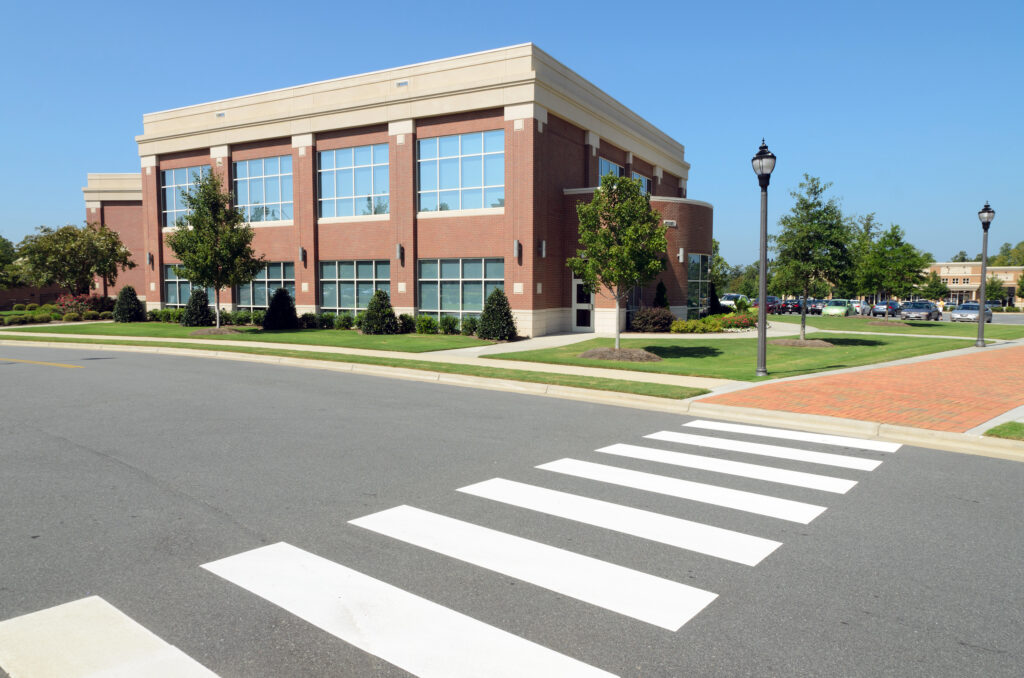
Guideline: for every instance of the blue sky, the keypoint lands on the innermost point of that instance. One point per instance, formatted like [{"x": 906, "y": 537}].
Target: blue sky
[{"x": 914, "y": 110}]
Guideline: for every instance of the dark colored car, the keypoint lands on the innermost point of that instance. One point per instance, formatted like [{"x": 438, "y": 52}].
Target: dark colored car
[
  {"x": 920, "y": 310},
  {"x": 770, "y": 307},
  {"x": 879, "y": 308},
  {"x": 789, "y": 306},
  {"x": 814, "y": 306}
]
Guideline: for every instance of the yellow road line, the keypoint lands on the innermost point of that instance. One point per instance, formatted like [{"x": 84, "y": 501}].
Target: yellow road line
[{"x": 36, "y": 362}]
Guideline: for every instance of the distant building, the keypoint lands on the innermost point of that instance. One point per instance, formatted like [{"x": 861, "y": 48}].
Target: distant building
[{"x": 964, "y": 281}]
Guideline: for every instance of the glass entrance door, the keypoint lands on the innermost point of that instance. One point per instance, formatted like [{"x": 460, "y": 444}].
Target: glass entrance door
[{"x": 582, "y": 307}]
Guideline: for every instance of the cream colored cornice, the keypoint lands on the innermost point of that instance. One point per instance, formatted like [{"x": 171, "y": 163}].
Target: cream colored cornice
[
  {"x": 111, "y": 187},
  {"x": 509, "y": 76}
]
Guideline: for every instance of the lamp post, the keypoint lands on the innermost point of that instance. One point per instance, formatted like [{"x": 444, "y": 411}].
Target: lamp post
[
  {"x": 986, "y": 214},
  {"x": 764, "y": 163}
]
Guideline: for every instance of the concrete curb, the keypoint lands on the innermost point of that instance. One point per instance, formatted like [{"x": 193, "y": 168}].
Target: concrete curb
[{"x": 950, "y": 442}]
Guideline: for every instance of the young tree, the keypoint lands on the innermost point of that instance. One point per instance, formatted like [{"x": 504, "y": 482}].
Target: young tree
[
  {"x": 894, "y": 265},
  {"x": 281, "y": 312},
  {"x": 8, "y": 275},
  {"x": 621, "y": 241},
  {"x": 961, "y": 257},
  {"x": 814, "y": 244},
  {"x": 380, "y": 316},
  {"x": 496, "y": 321},
  {"x": 720, "y": 270},
  {"x": 73, "y": 256},
  {"x": 213, "y": 242},
  {"x": 933, "y": 288},
  {"x": 994, "y": 287}
]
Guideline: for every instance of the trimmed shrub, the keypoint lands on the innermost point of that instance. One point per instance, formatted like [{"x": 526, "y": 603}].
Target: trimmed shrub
[
  {"x": 258, "y": 315},
  {"x": 714, "y": 304},
  {"x": 425, "y": 324},
  {"x": 742, "y": 305},
  {"x": 71, "y": 317},
  {"x": 686, "y": 326},
  {"x": 657, "y": 319},
  {"x": 307, "y": 321},
  {"x": 128, "y": 308},
  {"x": 469, "y": 325},
  {"x": 198, "y": 312},
  {"x": 406, "y": 324},
  {"x": 14, "y": 320},
  {"x": 325, "y": 321},
  {"x": 153, "y": 315},
  {"x": 660, "y": 296},
  {"x": 91, "y": 315},
  {"x": 344, "y": 321},
  {"x": 358, "y": 322},
  {"x": 227, "y": 318},
  {"x": 31, "y": 307},
  {"x": 56, "y": 316},
  {"x": 242, "y": 317},
  {"x": 95, "y": 302},
  {"x": 106, "y": 315},
  {"x": 449, "y": 324},
  {"x": 73, "y": 303},
  {"x": 41, "y": 318},
  {"x": 380, "y": 317},
  {"x": 18, "y": 307},
  {"x": 49, "y": 308},
  {"x": 743, "y": 321},
  {"x": 281, "y": 314},
  {"x": 497, "y": 321}
]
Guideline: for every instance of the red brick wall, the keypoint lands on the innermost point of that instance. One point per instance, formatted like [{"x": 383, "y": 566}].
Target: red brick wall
[{"x": 125, "y": 217}]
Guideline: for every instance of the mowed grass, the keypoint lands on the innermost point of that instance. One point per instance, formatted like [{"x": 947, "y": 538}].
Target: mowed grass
[
  {"x": 403, "y": 343},
  {"x": 593, "y": 383},
  {"x": 1013, "y": 430},
  {"x": 916, "y": 327},
  {"x": 737, "y": 358}
]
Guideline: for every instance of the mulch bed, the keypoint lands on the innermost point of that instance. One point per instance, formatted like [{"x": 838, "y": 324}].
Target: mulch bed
[
  {"x": 805, "y": 343},
  {"x": 214, "y": 330},
  {"x": 633, "y": 355}
]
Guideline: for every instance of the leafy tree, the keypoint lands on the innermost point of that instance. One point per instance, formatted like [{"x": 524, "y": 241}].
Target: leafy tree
[
  {"x": 746, "y": 282},
  {"x": 720, "y": 270},
  {"x": 72, "y": 257},
  {"x": 128, "y": 308},
  {"x": 8, "y": 271},
  {"x": 213, "y": 242},
  {"x": 933, "y": 288},
  {"x": 621, "y": 241},
  {"x": 496, "y": 322},
  {"x": 814, "y": 243},
  {"x": 894, "y": 265},
  {"x": 281, "y": 312},
  {"x": 961, "y": 257},
  {"x": 380, "y": 317},
  {"x": 863, "y": 232},
  {"x": 1008, "y": 256},
  {"x": 994, "y": 287}
]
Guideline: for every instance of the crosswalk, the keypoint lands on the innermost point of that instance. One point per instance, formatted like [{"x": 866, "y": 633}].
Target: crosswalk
[{"x": 426, "y": 638}]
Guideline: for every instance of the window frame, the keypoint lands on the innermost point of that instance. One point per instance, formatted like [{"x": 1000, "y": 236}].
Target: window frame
[
  {"x": 486, "y": 282},
  {"x": 249, "y": 178},
  {"x": 179, "y": 189},
  {"x": 266, "y": 281},
  {"x": 376, "y": 281},
  {"x": 460, "y": 158},
  {"x": 377, "y": 210}
]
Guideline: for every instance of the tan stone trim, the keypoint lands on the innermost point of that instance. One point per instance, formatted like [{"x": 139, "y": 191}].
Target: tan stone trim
[
  {"x": 350, "y": 220},
  {"x": 219, "y": 152},
  {"x": 110, "y": 187},
  {"x": 397, "y": 127},
  {"x": 682, "y": 201},
  {"x": 302, "y": 140},
  {"x": 461, "y": 213},
  {"x": 148, "y": 160}
]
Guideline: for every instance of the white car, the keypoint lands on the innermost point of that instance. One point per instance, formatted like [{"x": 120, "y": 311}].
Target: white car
[
  {"x": 861, "y": 307},
  {"x": 731, "y": 299}
]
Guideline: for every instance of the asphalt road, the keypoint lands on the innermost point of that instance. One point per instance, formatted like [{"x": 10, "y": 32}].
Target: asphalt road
[{"x": 123, "y": 477}]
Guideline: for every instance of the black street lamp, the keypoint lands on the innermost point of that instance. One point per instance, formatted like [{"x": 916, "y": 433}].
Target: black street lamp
[
  {"x": 986, "y": 214},
  {"x": 764, "y": 163}
]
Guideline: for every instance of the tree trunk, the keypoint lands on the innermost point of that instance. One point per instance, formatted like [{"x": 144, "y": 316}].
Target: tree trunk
[
  {"x": 803, "y": 316},
  {"x": 216, "y": 305},
  {"x": 616, "y": 322}
]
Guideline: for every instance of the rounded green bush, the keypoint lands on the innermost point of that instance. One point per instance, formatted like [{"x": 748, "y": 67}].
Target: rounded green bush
[
  {"x": 258, "y": 315},
  {"x": 56, "y": 316},
  {"x": 106, "y": 315},
  {"x": 425, "y": 324},
  {"x": 281, "y": 313},
  {"x": 325, "y": 320},
  {"x": 497, "y": 322},
  {"x": 344, "y": 321},
  {"x": 128, "y": 308},
  {"x": 41, "y": 318},
  {"x": 449, "y": 324},
  {"x": 469, "y": 325},
  {"x": 197, "y": 312},
  {"x": 380, "y": 317},
  {"x": 14, "y": 320},
  {"x": 91, "y": 315},
  {"x": 71, "y": 317},
  {"x": 242, "y": 317},
  {"x": 406, "y": 324},
  {"x": 18, "y": 307},
  {"x": 31, "y": 307}
]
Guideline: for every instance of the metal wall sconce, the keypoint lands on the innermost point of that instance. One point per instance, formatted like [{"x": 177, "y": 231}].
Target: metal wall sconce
[
  {"x": 149, "y": 259},
  {"x": 517, "y": 249},
  {"x": 400, "y": 253},
  {"x": 542, "y": 249},
  {"x": 681, "y": 256},
  {"x": 302, "y": 254}
]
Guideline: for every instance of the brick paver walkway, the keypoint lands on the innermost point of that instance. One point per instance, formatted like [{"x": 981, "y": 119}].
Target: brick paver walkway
[{"x": 946, "y": 394}]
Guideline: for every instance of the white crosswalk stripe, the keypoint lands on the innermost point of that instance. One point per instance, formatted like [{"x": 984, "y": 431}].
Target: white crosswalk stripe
[
  {"x": 414, "y": 634},
  {"x": 787, "y": 434},
  {"x": 651, "y": 599},
  {"x": 764, "y": 450},
  {"x": 89, "y": 638},
  {"x": 733, "y": 468},
  {"x": 751, "y": 502},
  {"x": 684, "y": 534}
]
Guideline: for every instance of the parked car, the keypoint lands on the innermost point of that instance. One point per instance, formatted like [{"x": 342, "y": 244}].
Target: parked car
[
  {"x": 814, "y": 306},
  {"x": 967, "y": 312},
  {"x": 770, "y": 307},
  {"x": 920, "y": 310},
  {"x": 789, "y": 306},
  {"x": 731, "y": 299},
  {"x": 860, "y": 307},
  {"x": 880, "y": 308},
  {"x": 840, "y": 307}
]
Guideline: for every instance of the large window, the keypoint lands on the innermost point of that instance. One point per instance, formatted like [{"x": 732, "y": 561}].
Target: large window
[
  {"x": 257, "y": 294},
  {"x": 458, "y": 287},
  {"x": 263, "y": 188},
  {"x": 348, "y": 285},
  {"x": 353, "y": 181},
  {"x": 605, "y": 166},
  {"x": 172, "y": 184},
  {"x": 645, "y": 183},
  {"x": 698, "y": 275},
  {"x": 177, "y": 290},
  {"x": 462, "y": 171}
]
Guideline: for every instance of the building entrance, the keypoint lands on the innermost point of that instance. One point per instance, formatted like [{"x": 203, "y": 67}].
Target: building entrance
[{"x": 582, "y": 307}]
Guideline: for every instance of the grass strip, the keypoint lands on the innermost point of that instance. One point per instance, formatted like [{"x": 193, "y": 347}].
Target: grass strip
[
  {"x": 593, "y": 383},
  {"x": 736, "y": 358},
  {"x": 911, "y": 327},
  {"x": 1012, "y": 430}
]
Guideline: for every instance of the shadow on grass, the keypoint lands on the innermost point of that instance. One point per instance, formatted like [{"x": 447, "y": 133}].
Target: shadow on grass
[
  {"x": 849, "y": 342},
  {"x": 669, "y": 352}
]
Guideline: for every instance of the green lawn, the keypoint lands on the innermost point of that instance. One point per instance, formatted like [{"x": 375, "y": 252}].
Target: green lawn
[
  {"x": 1014, "y": 430},
  {"x": 594, "y": 383},
  {"x": 405, "y": 343},
  {"x": 918, "y": 327},
  {"x": 737, "y": 358}
]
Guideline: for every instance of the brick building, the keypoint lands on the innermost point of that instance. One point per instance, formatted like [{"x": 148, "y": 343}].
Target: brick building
[
  {"x": 964, "y": 281},
  {"x": 436, "y": 182}
]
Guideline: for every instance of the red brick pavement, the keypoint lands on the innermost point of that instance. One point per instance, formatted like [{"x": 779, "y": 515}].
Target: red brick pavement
[{"x": 946, "y": 394}]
